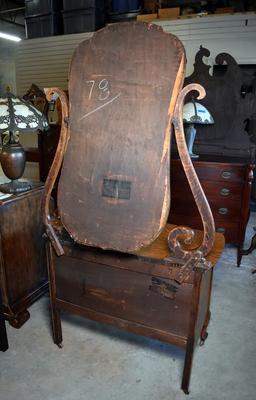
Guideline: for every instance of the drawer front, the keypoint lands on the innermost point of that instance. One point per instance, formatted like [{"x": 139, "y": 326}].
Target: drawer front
[
  {"x": 211, "y": 171},
  {"x": 213, "y": 190},
  {"x": 229, "y": 229},
  {"x": 221, "y": 208},
  {"x": 129, "y": 295}
]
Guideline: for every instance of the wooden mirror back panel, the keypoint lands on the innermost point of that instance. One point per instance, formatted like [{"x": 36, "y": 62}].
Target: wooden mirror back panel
[{"x": 114, "y": 186}]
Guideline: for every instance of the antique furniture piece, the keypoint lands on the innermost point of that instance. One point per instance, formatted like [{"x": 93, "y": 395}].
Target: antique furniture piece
[
  {"x": 16, "y": 116},
  {"x": 194, "y": 113},
  {"x": 23, "y": 274},
  {"x": 111, "y": 256},
  {"x": 230, "y": 97},
  {"x": 225, "y": 166},
  {"x": 226, "y": 182},
  {"x": 3, "y": 334}
]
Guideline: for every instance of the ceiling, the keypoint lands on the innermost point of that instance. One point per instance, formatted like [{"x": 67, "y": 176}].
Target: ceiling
[{"x": 12, "y": 17}]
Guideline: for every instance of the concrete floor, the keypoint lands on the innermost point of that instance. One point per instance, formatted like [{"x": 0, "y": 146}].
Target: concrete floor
[{"x": 106, "y": 364}]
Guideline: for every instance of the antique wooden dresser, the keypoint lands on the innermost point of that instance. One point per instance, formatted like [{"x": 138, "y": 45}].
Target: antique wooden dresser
[
  {"x": 111, "y": 255},
  {"x": 227, "y": 184}
]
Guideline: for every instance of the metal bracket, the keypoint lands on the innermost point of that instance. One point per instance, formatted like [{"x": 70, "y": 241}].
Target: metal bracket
[{"x": 163, "y": 288}]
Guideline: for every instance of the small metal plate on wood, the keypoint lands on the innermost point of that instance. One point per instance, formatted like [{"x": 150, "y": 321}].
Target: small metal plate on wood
[
  {"x": 223, "y": 210},
  {"x": 224, "y": 192},
  {"x": 163, "y": 288},
  {"x": 116, "y": 189},
  {"x": 226, "y": 174}
]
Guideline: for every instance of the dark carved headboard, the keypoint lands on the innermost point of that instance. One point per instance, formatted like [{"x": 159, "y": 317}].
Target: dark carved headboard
[{"x": 231, "y": 99}]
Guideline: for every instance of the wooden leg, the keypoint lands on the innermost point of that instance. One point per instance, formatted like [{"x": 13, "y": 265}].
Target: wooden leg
[
  {"x": 239, "y": 256},
  {"x": 191, "y": 341},
  {"x": 3, "y": 337},
  {"x": 204, "y": 333},
  {"x": 251, "y": 248},
  {"x": 55, "y": 312},
  {"x": 187, "y": 366},
  {"x": 18, "y": 320},
  {"x": 3, "y": 334}
]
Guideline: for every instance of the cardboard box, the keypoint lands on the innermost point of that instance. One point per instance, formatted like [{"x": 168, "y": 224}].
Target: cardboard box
[
  {"x": 146, "y": 17},
  {"x": 224, "y": 10},
  {"x": 169, "y": 12}
]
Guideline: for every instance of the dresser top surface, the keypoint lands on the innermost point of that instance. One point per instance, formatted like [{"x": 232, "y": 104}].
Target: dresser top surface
[{"x": 211, "y": 158}]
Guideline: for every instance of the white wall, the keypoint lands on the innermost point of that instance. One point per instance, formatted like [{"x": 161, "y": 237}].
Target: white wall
[
  {"x": 45, "y": 61},
  {"x": 233, "y": 34}
]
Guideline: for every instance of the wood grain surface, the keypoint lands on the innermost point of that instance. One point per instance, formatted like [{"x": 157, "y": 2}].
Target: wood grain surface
[{"x": 114, "y": 185}]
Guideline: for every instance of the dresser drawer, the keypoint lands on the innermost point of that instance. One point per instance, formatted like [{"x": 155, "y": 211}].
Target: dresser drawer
[
  {"x": 118, "y": 292},
  {"x": 229, "y": 229},
  {"x": 227, "y": 188},
  {"x": 213, "y": 191},
  {"x": 221, "y": 208},
  {"x": 210, "y": 172}
]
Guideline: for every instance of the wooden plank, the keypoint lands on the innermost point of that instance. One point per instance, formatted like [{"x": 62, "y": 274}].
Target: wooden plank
[
  {"x": 121, "y": 323},
  {"x": 114, "y": 186}
]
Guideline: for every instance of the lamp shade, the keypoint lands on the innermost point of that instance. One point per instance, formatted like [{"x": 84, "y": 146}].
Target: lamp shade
[
  {"x": 196, "y": 113},
  {"x": 19, "y": 115}
]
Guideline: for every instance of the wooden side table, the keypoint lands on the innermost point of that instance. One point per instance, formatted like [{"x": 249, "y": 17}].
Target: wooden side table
[{"x": 23, "y": 276}]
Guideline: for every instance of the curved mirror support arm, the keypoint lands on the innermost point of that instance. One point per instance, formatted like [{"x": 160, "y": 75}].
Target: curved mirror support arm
[
  {"x": 56, "y": 165},
  {"x": 184, "y": 235}
]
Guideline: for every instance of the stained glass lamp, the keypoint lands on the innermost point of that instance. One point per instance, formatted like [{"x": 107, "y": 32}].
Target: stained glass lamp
[
  {"x": 16, "y": 116},
  {"x": 194, "y": 113}
]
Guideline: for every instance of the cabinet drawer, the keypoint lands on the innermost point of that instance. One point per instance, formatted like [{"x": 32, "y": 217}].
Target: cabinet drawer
[
  {"x": 213, "y": 191},
  {"x": 210, "y": 172},
  {"x": 229, "y": 229},
  {"x": 221, "y": 208},
  {"x": 125, "y": 294}
]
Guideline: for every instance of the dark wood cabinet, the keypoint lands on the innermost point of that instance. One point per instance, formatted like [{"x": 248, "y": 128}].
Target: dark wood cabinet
[
  {"x": 23, "y": 275},
  {"x": 227, "y": 186}
]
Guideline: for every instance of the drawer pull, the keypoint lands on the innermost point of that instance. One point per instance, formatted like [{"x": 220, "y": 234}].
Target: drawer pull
[
  {"x": 223, "y": 210},
  {"x": 224, "y": 192},
  {"x": 226, "y": 174},
  {"x": 221, "y": 230}
]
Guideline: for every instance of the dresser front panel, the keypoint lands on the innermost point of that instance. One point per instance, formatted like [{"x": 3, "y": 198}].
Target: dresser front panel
[{"x": 124, "y": 294}]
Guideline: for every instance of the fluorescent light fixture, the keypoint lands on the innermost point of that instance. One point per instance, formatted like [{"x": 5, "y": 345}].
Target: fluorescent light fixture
[{"x": 9, "y": 37}]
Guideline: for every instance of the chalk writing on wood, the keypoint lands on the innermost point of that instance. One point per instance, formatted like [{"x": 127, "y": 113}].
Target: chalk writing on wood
[{"x": 102, "y": 91}]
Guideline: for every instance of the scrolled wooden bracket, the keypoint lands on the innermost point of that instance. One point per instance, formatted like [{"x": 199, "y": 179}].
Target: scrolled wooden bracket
[
  {"x": 54, "y": 170},
  {"x": 191, "y": 258}
]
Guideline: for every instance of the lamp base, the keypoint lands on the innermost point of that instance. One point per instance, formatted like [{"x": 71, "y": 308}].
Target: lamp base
[
  {"x": 193, "y": 156},
  {"x": 190, "y": 134},
  {"x": 15, "y": 187}
]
